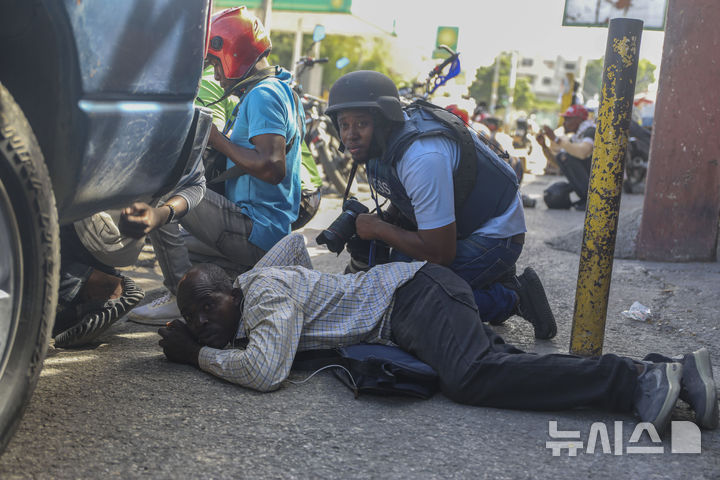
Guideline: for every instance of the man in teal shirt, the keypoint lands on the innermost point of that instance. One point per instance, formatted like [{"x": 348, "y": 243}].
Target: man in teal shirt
[{"x": 212, "y": 96}]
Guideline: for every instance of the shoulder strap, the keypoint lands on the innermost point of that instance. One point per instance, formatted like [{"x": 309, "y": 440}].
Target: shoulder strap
[{"x": 466, "y": 174}]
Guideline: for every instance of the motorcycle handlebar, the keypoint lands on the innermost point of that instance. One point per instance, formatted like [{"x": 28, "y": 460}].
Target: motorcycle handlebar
[
  {"x": 314, "y": 98},
  {"x": 309, "y": 61},
  {"x": 453, "y": 56}
]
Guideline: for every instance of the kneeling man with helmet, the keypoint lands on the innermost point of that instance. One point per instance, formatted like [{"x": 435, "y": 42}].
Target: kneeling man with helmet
[{"x": 454, "y": 202}]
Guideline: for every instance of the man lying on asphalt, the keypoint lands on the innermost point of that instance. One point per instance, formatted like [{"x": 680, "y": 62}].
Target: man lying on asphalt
[{"x": 282, "y": 306}]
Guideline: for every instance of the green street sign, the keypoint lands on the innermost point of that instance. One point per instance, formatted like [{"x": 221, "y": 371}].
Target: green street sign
[
  {"x": 445, "y": 36},
  {"x": 322, "y": 6}
]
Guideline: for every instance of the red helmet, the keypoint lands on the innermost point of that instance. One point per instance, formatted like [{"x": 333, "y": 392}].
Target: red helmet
[
  {"x": 238, "y": 39},
  {"x": 460, "y": 112},
  {"x": 576, "y": 110}
]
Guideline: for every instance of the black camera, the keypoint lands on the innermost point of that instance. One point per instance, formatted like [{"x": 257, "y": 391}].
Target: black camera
[{"x": 340, "y": 231}]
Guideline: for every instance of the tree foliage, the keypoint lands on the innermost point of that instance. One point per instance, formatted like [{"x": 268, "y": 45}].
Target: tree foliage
[
  {"x": 481, "y": 88},
  {"x": 594, "y": 72},
  {"x": 524, "y": 98},
  {"x": 645, "y": 75},
  {"x": 593, "y": 78},
  {"x": 363, "y": 53}
]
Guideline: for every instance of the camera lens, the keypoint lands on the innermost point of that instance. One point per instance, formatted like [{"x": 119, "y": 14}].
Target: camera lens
[
  {"x": 334, "y": 243},
  {"x": 339, "y": 231}
]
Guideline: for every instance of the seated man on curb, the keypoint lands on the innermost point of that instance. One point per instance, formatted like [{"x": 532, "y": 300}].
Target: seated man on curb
[
  {"x": 572, "y": 151},
  {"x": 425, "y": 309}
]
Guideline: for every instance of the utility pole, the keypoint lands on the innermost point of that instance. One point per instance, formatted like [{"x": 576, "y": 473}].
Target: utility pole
[
  {"x": 297, "y": 48},
  {"x": 606, "y": 176},
  {"x": 496, "y": 80},
  {"x": 682, "y": 195},
  {"x": 267, "y": 15},
  {"x": 511, "y": 85}
]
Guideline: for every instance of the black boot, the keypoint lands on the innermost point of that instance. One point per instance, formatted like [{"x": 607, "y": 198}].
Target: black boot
[{"x": 533, "y": 304}]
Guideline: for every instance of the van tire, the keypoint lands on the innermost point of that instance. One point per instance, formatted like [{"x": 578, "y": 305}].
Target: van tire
[{"x": 29, "y": 269}]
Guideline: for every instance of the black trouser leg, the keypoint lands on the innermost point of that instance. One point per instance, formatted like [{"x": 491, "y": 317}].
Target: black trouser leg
[
  {"x": 435, "y": 318},
  {"x": 577, "y": 172}
]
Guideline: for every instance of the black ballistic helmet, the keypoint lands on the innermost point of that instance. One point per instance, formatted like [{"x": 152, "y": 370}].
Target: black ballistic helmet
[{"x": 365, "y": 89}]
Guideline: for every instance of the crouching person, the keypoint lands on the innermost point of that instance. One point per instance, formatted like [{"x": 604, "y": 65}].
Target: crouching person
[
  {"x": 93, "y": 294},
  {"x": 425, "y": 309}
]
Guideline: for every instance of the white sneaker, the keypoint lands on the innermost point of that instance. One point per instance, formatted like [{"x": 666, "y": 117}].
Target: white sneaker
[{"x": 158, "y": 312}]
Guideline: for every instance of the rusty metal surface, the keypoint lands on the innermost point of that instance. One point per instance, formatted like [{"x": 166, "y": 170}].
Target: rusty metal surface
[
  {"x": 682, "y": 198},
  {"x": 603, "y": 205}
]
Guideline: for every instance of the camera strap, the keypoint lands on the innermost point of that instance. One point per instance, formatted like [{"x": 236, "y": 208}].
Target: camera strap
[
  {"x": 350, "y": 180},
  {"x": 236, "y": 170}
]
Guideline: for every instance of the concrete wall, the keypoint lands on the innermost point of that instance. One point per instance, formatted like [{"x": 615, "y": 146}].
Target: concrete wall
[{"x": 682, "y": 198}]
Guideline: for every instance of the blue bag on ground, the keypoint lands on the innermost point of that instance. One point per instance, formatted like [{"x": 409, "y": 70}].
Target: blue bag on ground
[{"x": 374, "y": 368}]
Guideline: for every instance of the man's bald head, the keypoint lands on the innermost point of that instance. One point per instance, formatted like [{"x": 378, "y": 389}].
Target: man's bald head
[
  {"x": 206, "y": 275},
  {"x": 210, "y": 306}
]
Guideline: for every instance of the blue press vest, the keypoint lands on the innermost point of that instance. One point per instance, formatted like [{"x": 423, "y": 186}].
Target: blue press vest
[{"x": 495, "y": 183}]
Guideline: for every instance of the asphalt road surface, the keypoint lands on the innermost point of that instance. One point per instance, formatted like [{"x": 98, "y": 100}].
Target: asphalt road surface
[{"x": 118, "y": 409}]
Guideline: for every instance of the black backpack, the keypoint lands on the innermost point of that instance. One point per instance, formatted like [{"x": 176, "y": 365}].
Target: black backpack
[
  {"x": 557, "y": 195},
  {"x": 373, "y": 368}
]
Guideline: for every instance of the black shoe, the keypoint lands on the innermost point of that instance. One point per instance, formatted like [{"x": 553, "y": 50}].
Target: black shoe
[
  {"x": 533, "y": 304},
  {"x": 698, "y": 388},
  {"x": 97, "y": 319},
  {"x": 658, "y": 388}
]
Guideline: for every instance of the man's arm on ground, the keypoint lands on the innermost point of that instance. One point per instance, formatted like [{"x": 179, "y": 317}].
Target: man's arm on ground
[
  {"x": 289, "y": 251},
  {"x": 436, "y": 245},
  {"x": 274, "y": 325}
]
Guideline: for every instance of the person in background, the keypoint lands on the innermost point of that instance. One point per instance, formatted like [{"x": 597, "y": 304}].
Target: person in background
[
  {"x": 93, "y": 294},
  {"x": 572, "y": 151}
]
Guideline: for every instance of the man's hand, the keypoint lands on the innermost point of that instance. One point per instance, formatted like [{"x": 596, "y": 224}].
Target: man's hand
[
  {"x": 178, "y": 344},
  {"x": 540, "y": 137},
  {"x": 139, "y": 219},
  {"x": 367, "y": 225},
  {"x": 436, "y": 245},
  {"x": 215, "y": 137},
  {"x": 549, "y": 133}
]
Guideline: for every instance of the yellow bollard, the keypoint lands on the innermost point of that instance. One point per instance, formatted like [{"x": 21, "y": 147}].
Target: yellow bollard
[{"x": 606, "y": 176}]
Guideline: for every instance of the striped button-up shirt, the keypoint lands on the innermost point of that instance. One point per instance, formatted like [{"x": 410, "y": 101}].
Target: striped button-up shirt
[{"x": 293, "y": 308}]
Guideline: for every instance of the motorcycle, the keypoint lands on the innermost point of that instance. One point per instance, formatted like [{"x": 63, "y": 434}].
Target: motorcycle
[
  {"x": 636, "y": 159},
  {"x": 435, "y": 79},
  {"x": 521, "y": 135},
  {"x": 323, "y": 140},
  {"x": 321, "y": 137}
]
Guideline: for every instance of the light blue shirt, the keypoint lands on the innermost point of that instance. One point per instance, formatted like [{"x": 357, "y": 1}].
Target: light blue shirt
[
  {"x": 268, "y": 108},
  {"x": 426, "y": 171}
]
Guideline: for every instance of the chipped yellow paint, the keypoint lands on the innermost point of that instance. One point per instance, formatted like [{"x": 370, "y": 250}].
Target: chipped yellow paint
[
  {"x": 601, "y": 216},
  {"x": 626, "y": 48}
]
